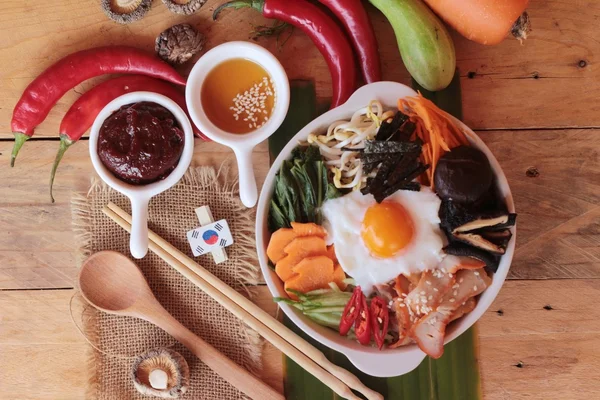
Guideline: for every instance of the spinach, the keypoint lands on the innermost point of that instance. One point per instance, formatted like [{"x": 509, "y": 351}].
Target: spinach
[{"x": 301, "y": 187}]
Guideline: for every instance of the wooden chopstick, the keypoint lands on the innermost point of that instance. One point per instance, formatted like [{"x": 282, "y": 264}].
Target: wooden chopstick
[{"x": 302, "y": 352}]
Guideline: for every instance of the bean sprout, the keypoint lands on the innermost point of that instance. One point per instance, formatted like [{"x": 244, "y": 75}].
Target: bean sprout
[{"x": 345, "y": 164}]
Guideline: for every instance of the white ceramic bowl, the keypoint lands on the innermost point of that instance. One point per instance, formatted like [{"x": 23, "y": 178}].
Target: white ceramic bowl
[
  {"x": 241, "y": 144},
  {"x": 388, "y": 362},
  {"x": 140, "y": 195}
]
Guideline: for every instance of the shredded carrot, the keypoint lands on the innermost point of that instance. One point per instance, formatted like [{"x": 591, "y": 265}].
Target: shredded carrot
[{"x": 435, "y": 127}]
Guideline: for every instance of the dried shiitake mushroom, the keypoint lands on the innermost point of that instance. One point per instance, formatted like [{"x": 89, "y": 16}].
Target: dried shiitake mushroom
[
  {"x": 185, "y": 7},
  {"x": 125, "y": 11},
  {"x": 162, "y": 373},
  {"x": 179, "y": 43}
]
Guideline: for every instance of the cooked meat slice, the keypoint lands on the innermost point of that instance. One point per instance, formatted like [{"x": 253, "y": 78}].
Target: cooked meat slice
[
  {"x": 454, "y": 263},
  {"x": 464, "y": 309},
  {"x": 429, "y": 292},
  {"x": 429, "y": 333}
]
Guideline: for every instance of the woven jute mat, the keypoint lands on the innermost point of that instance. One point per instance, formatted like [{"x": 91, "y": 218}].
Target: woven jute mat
[{"x": 118, "y": 340}]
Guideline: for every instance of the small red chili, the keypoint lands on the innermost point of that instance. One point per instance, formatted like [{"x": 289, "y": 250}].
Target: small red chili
[
  {"x": 45, "y": 90},
  {"x": 351, "y": 311},
  {"x": 380, "y": 318},
  {"x": 324, "y": 31},
  {"x": 362, "y": 325}
]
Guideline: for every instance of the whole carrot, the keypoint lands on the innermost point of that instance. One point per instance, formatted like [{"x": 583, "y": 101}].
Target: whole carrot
[
  {"x": 80, "y": 117},
  {"x": 43, "y": 93}
]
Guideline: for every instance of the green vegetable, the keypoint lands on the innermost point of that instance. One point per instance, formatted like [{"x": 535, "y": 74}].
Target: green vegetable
[
  {"x": 301, "y": 186},
  {"x": 424, "y": 42},
  {"x": 324, "y": 306}
]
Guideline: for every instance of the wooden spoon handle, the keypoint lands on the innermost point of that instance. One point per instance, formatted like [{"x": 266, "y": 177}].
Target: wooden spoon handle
[{"x": 230, "y": 371}]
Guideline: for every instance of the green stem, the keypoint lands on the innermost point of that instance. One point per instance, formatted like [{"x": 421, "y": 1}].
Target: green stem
[
  {"x": 258, "y": 5},
  {"x": 20, "y": 138},
  {"x": 65, "y": 143}
]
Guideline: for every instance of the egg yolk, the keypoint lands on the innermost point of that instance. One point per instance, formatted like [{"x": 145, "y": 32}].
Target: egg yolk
[{"x": 386, "y": 229}]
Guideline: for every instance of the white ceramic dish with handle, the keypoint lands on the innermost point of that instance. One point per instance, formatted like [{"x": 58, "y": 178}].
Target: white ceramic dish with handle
[
  {"x": 241, "y": 144},
  {"x": 387, "y": 362},
  {"x": 140, "y": 195}
]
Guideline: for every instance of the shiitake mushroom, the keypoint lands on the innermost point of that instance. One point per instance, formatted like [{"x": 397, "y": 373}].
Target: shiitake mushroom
[
  {"x": 463, "y": 175},
  {"x": 125, "y": 11}
]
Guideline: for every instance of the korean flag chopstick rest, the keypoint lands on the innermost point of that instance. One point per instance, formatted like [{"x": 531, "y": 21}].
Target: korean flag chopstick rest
[{"x": 206, "y": 238}]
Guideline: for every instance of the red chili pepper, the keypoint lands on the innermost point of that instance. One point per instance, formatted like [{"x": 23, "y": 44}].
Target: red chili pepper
[
  {"x": 362, "y": 325},
  {"x": 80, "y": 117},
  {"x": 43, "y": 93},
  {"x": 322, "y": 29},
  {"x": 358, "y": 26},
  {"x": 380, "y": 318},
  {"x": 351, "y": 311}
]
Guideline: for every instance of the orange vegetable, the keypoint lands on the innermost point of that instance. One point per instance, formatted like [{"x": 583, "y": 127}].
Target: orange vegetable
[
  {"x": 331, "y": 254},
  {"x": 308, "y": 229},
  {"x": 284, "y": 236},
  {"x": 338, "y": 276},
  {"x": 299, "y": 249},
  {"x": 483, "y": 21},
  {"x": 435, "y": 127},
  {"x": 312, "y": 273},
  {"x": 279, "y": 240}
]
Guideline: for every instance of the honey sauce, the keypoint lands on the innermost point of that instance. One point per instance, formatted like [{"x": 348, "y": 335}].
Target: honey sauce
[{"x": 238, "y": 96}]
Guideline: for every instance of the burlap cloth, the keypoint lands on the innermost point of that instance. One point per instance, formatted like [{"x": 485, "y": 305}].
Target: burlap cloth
[{"x": 120, "y": 339}]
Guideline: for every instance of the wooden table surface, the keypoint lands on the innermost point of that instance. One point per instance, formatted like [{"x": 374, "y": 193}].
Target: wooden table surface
[{"x": 534, "y": 105}]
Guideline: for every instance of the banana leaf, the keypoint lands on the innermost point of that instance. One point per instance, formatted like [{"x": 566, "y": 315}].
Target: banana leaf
[{"x": 455, "y": 376}]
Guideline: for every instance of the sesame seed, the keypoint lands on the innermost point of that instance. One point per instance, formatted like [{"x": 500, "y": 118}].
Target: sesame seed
[
  {"x": 455, "y": 293},
  {"x": 474, "y": 288},
  {"x": 452, "y": 300},
  {"x": 402, "y": 305},
  {"x": 461, "y": 280},
  {"x": 455, "y": 286},
  {"x": 476, "y": 273},
  {"x": 379, "y": 320},
  {"x": 435, "y": 289},
  {"x": 430, "y": 297},
  {"x": 422, "y": 292},
  {"x": 428, "y": 282}
]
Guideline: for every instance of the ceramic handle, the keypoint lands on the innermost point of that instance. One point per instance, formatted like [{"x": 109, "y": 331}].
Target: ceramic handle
[
  {"x": 138, "y": 243},
  {"x": 215, "y": 360},
  {"x": 248, "y": 190}
]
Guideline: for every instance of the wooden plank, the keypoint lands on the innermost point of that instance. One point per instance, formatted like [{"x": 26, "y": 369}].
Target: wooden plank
[
  {"x": 529, "y": 352},
  {"x": 557, "y": 233},
  {"x": 44, "y": 356},
  {"x": 504, "y": 86},
  {"x": 37, "y": 245}
]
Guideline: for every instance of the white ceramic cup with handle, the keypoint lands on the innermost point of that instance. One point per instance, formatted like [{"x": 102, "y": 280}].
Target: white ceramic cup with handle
[
  {"x": 140, "y": 195},
  {"x": 242, "y": 144}
]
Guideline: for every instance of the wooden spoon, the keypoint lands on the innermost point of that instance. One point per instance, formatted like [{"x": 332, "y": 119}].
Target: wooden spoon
[{"x": 112, "y": 283}]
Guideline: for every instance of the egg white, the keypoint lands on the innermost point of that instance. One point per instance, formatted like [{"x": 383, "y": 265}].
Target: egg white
[{"x": 343, "y": 222}]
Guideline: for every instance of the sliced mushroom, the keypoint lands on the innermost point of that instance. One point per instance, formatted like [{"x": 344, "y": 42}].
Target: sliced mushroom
[
  {"x": 161, "y": 373},
  {"x": 460, "y": 249},
  {"x": 480, "y": 242},
  {"x": 487, "y": 222}
]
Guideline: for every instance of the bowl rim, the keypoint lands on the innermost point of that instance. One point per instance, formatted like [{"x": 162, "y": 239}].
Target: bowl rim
[{"x": 369, "y": 359}]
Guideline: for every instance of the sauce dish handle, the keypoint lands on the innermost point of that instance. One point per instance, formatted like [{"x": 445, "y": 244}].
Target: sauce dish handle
[
  {"x": 247, "y": 181},
  {"x": 138, "y": 243}
]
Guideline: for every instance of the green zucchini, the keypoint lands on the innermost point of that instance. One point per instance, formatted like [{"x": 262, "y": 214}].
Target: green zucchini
[{"x": 424, "y": 42}]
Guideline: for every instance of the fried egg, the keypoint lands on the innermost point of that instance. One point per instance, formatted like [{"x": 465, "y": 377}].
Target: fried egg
[{"x": 375, "y": 242}]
